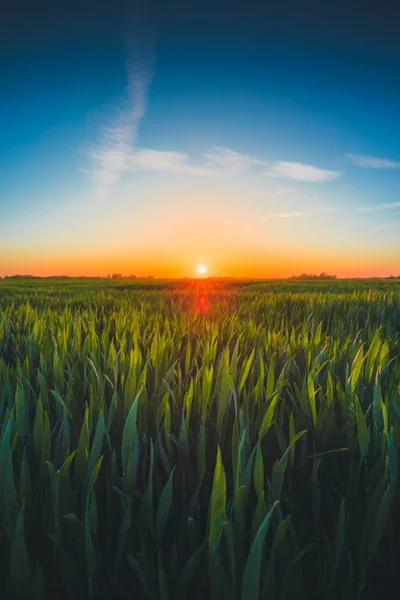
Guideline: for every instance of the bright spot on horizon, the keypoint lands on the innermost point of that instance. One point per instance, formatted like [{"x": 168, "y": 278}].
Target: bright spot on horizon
[{"x": 201, "y": 269}]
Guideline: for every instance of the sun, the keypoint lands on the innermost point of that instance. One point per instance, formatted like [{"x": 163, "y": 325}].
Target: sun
[{"x": 201, "y": 269}]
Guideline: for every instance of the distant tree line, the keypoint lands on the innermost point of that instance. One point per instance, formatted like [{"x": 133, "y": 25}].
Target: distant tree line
[
  {"x": 120, "y": 276},
  {"x": 313, "y": 276},
  {"x": 113, "y": 276}
]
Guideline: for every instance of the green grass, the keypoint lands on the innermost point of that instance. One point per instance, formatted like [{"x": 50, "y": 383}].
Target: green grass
[{"x": 148, "y": 451}]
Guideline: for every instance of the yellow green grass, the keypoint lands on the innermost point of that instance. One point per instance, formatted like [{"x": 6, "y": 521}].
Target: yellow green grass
[{"x": 149, "y": 451}]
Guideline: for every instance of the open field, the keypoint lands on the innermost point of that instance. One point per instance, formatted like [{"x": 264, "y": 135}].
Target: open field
[{"x": 199, "y": 439}]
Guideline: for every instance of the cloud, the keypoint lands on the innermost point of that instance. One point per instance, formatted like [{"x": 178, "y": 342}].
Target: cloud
[
  {"x": 111, "y": 155},
  {"x": 112, "y": 161},
  {"x": 219, "y": 161},
  {"x": 158, "y": 160},
  {"x": 117, "y": 151},
  {"x": 300, "y": 172},
  {"x": 373, "y": 162},
  {"x": 283, "y": 215},
  {"x": 227, "y": 160},
  {"x": 375, "y": 207},
  {"x": 299, "y": 213}
]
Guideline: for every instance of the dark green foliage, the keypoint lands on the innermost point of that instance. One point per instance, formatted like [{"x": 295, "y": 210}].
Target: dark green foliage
[{"x": 148, "y": 451}]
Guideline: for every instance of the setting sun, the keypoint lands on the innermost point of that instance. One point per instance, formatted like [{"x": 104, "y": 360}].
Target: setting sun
[
  {"x": 201, "y": 269},
  {"x": 200, "y": 299}
]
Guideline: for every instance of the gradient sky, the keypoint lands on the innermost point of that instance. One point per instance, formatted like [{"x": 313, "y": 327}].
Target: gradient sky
[{"x": 145, "y": 140}]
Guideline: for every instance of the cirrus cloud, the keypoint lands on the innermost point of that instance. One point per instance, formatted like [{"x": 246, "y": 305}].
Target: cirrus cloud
[
  {"x": 227, "y": 160},
  {"x": 375, "y": 207},
  {"x": 300, "y": 172},
  {"x": 373, "y": 162},
  {"x": 161, "y": 160}
]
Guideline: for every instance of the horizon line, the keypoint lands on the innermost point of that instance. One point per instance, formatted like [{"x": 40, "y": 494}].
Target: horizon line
[{"x": 303, "y": 276}]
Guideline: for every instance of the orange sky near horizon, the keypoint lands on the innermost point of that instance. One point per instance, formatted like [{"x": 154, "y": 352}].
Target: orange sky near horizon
[
  {"x": 177, "y": 263},
  {"x": 215, "y": 225},
  {"x": 214, "y": 228}
]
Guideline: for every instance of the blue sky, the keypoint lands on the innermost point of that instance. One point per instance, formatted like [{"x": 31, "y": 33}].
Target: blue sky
[{"x": 129, "y": 134}]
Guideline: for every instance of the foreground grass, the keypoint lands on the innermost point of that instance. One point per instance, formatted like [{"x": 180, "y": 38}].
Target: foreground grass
[{"x": 150, "y": 451}]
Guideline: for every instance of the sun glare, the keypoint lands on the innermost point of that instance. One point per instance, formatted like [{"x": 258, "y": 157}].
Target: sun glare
[{"x": 201, "y": 269}]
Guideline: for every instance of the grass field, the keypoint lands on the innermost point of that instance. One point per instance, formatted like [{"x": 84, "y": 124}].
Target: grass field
[{"x": 199, "y": 439}]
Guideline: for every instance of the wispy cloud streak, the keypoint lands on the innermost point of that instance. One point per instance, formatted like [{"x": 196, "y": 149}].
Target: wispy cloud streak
[
  {"x": 300, "y": 172},
  {"x": 117, "y": 152},
  {"x": 172, "y": 162},
  {"x": 299, "y": 213},
  {"x": 283, "y": 215},
  {"x": 373, "y": 162},
  {"x": 377, "y": 207},
  {"x": 111, "y": 156},
  {"x": 228, "y": 160},
  {"x": 224, "y": 159}
]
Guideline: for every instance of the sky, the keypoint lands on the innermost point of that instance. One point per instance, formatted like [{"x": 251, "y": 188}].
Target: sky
[{"x": 146, "y": 139}]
